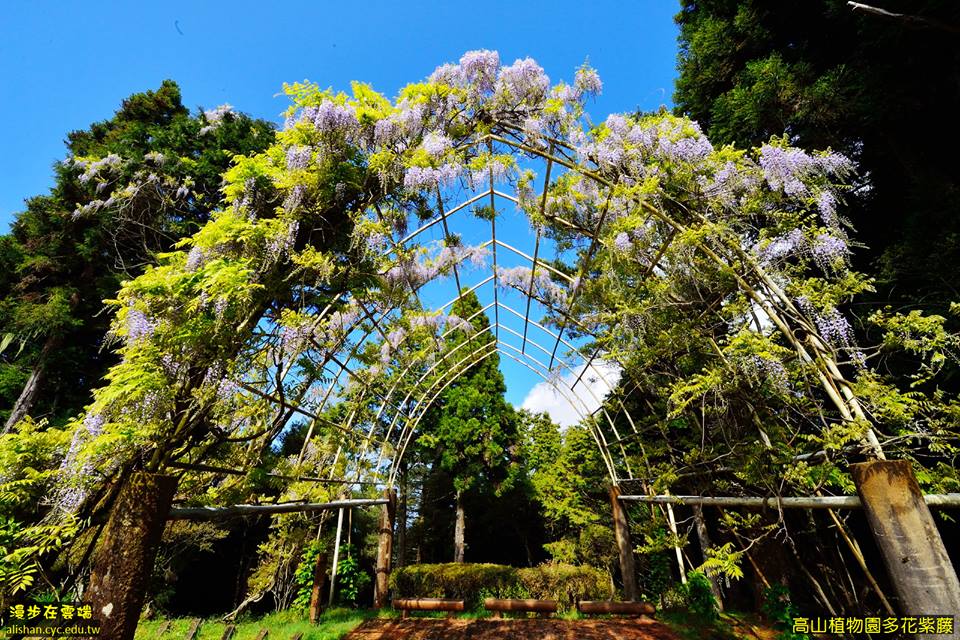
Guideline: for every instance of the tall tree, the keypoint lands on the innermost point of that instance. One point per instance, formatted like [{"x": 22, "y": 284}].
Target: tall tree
[
  {"x": 471, "y": 428},
  {"x": 130, "y": 187},
  {"x": 830, "y": 76}
]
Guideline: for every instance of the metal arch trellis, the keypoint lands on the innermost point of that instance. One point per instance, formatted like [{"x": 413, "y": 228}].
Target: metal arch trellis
[
  {"x": 836, "y": 386},
  {"x": 344, "y": 367}
]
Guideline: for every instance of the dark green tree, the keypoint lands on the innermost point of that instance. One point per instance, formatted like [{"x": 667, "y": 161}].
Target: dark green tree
[
  {"x": 470, "y": 431},
  {"x": 878, "y": 88},
  {"x": 130, "y": 187}
]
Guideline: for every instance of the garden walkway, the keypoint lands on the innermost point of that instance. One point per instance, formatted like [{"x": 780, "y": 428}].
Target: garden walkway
[{"x": 538, "y": 629}]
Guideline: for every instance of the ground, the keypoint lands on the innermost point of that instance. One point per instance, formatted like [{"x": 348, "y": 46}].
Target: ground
[{"x": 534, "y": 629}]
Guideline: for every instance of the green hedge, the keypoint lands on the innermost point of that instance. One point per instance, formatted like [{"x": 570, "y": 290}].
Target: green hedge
[{"x": 473, "y": 582}]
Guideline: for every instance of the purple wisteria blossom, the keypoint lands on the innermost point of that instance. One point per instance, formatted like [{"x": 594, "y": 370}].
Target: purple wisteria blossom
[
  {"x": 783, "y": 246},
  {"x": 298, "y": 157},
  {"x": 455, "y": 255},
  {"x": 494, "y": 168},
  {"x": 479, "y": 68},
  {"x": 426, "y": 321},
  {"x": 139, "y": 326},
  {"x": 340, "y": 323},
  {"x": 279, "y": 245},
  {"x": 827, "y": 205},
  {"x": 544, "y": 288},
  {"x": 93, "y": 169},
  {"x": 832, "y": 326},
  {"x": 789, "y": 170},
  {"x": 215, "y": 118},
  {"x": 436, "y": 144},
  {"x": 409, "y": 272},
  {"x": 294, "y": 197},
  {"x": 295, "y": 339},
  {"x": 391, "y": 344},
  {"x": 729, "y": 184},
  {"x": 768, "y": 368},
  {"x": 533, "y": 128},
  {"x": 622, "y": 242},
  {"x": 195, "y": 258},
  {"x": 334, "y": 119},
  {"x": 419, "y": 178},
  {"x": 835, "y": 329},
  {"x": 587, "y": 82},
  {"x": 523, "y": 81},
  {"x": 385, "y": 132},
  {"x": 456, "y": 323},
  {"x": 827, "y": 250}
]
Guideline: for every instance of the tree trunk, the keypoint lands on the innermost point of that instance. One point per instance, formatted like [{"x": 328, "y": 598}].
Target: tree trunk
[
  {"x": 458, "y": 531},
  {"x": 316, "y": 593},
  {"x": 704, "y": 537},
  {"x": 385, "y": 550},
  {"x": 621, "y": 530},
  {"x": 917, "y": 562},
  {"x": 402, "y": 519},
  {"x": 124, "y": 560},
  {"x": 31, "y": 390}
]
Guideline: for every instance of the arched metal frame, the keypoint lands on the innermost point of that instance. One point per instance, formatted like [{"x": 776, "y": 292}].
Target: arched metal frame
[{"x": 768, "y": 296}]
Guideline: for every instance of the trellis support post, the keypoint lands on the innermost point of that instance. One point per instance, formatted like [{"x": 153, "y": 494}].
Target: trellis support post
[
  {"x": 917, "y": 562},
  {"x": 385, "y": 549},
  {"x": 124, "y": 558},
  {"x": 621, "y": 530}
]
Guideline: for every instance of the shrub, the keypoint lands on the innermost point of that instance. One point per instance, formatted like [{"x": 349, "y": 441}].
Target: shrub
[
  {"x": 699, "y": 596},
  {"x": 565, "y": 583},
  {"x": 474, "y": 582}
]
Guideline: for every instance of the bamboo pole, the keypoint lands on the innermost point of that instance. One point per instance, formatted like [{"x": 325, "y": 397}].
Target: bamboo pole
[
  {"x": 336, "y": 557},
  {"x": 210, "y": 513},
  {"x": 943, "y": 500}
]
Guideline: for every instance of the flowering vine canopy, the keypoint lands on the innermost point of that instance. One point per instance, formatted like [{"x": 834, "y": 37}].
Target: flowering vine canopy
[{"x": 690, "y": 269}]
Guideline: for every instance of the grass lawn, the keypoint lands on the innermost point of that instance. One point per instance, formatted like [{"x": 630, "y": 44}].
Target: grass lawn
[{"x": 333, "y": 625}]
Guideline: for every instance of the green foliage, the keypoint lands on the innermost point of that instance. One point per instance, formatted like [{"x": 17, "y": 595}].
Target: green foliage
[
  {"x": 698, "y": 596},
  {"x": 351, "y": 579},
  {"x": 565, "y": 583},
  {"x": 472, "y": 582},
  {"x": 333, "y": 624},
  {"x": 470, "y": 427},
  {"x": 304, "y": 575},
  {"x": 129, "y": 188},
  {"x": 780, "y": 610}
]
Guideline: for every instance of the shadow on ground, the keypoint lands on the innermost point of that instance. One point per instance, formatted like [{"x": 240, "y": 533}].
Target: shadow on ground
[{"x": 435, "y": 629}]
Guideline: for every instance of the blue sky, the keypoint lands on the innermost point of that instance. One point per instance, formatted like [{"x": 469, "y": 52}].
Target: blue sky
[{"x": 66, "y": 64}]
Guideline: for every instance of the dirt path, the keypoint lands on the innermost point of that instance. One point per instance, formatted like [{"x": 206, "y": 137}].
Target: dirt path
[{"x": 534, "y": 629}]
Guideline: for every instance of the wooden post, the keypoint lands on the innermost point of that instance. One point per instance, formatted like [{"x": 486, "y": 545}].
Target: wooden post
[
  {"x": 621, "y": 530},
  {"x": 123, "y": 562},
  {"x": 316, "y": 595},
  {"x": 385, "y": 549},
  {"x": 917, "y": 562},
  {"x": 193, "y": 630}
]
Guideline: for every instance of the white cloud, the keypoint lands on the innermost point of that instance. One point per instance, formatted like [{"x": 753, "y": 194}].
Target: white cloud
[{"x": 567, "y": 407}]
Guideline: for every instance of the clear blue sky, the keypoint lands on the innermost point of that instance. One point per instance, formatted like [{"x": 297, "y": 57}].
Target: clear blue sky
[{"x": 67, "y": 64}]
